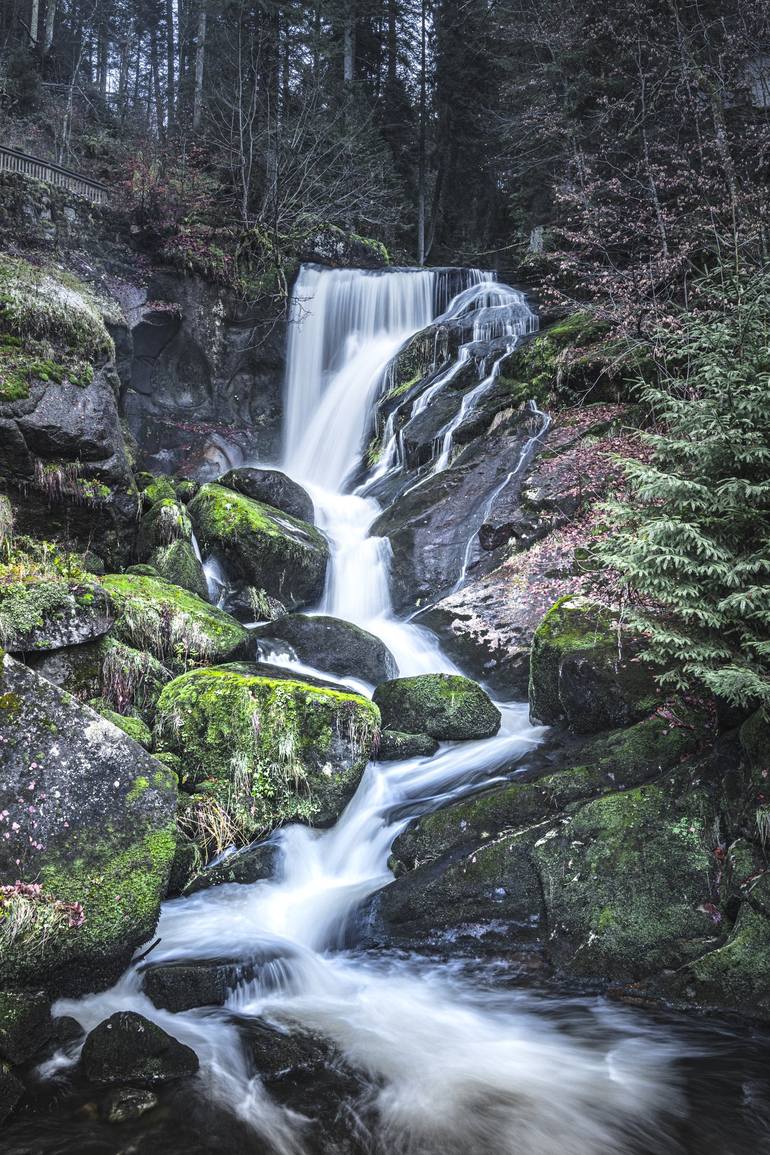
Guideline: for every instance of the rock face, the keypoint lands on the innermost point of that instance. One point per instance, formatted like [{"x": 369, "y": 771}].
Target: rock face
[
  {"x": 127, "y": 1048},
  {"x": 202, "y": 377},
  {"x": 51, "y": 615},
  {"x": 445, "y": 706},
  {"x": 335, "y": 646},
  {"x": 174, "y": 626},
  {"x": 266, "y": 548},
  {"x": 273, "y": 488},
  {"x": 583, "y": 673},
  {"x": 91, "y": 819},
  {"x": 268, "y": 750}
]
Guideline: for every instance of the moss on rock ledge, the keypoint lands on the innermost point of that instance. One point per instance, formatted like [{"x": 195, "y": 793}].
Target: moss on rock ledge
[
  {"x": 445, "y": 706},
  {"x": 267, "y": 750}
]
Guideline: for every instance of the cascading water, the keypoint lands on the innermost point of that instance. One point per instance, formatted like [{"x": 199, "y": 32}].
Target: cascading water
[{"x": 454, "y": 1065}]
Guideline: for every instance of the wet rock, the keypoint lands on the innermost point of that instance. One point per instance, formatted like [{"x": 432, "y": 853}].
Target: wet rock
[
  {"x": 92, "y": 824},
  {"x": 445, "y": 706},
  {"x": 11, "y": 1091},
  {"x": 50, "y": 615},
  {"x": 166, "y": 521},
  {"x": 180, "y": 987},
  {"x": 395, "y": 746},
  {"x": 273, "y": 488},
  {"x": 129, "y": 1048},
  {"x": 263, "y": 546},
  {"x": 268, "y": 749},
  {"x": 334, "y": 645},
  {"x": 127, "y": 1103},
  {"x": 583, "y": 671},
  {"x": 25, "y": 1024},
  {"x": 251, "y": 864}
]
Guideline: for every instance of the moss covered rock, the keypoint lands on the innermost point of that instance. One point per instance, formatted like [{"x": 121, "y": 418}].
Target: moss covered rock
[
  {"x": 395, "y": 745},
  {"x": 164, "y": 522},
  {"x": 266, "y": 548},
  {"x": 628, "y": 878},
  {"x": 25, "y": 1024},
  {"x": 445, "y": 706},
  {"x": 273, "y": 488},
  {"x": 128, "y": 723},
  {"x": 583, "y": 673},
  {"x": 174, "y": 626},
  {"x": 40, "y": 615},
  {"x": 90, "y": 819},
  {"x": 178, "y": 563},
  {"x": 267, "y": 750}
]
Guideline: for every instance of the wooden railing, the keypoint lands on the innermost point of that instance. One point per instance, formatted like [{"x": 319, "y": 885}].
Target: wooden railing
[{"x": 11, "y": 160}]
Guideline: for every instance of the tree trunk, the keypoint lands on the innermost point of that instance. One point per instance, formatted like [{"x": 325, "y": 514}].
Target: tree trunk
[
  {"x": 156, "y": 89},
  {"x": 170, "y": 62},
  {"x": 421, "y": 175},
  {"x": 349, "y": 44},
  {"x": 50, "y": 20},
  {"x": 200, "y": 54},
  {"x": 34, "y": 18}
]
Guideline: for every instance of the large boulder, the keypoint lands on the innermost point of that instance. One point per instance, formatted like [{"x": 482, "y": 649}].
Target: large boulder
[
  {"x": 273, "y": 488},
  {"x": 165, "y": 521},
  {"x": 127, "y": 1048},
  {"x": 266, "y": 548},
  {"x": 584, "y": 673},
  {"x": 334, "y": 645},
  {"x": 179, "y": 564},
  {"x": 267, "y": 750},
  {"x": 90, "y": 832},
  {"x": 40, "y": 615},
  {"x": 395, "y": 746},
  {"x": 445, "y": 706},
  {"x": 174, "y": 626}
]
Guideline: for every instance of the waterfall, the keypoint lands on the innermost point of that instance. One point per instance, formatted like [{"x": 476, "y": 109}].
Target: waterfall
[{"x": 453, "y": 1065}]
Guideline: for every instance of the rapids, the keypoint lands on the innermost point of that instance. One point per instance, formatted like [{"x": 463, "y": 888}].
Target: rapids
[{"x": 456, "y": 1058}]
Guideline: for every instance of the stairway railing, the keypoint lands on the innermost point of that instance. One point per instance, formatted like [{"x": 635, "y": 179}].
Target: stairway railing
[{"x": 12, "y": 160}]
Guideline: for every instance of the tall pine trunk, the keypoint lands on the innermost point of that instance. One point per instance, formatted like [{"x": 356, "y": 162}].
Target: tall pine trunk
[{"x": 200, "y": 55}]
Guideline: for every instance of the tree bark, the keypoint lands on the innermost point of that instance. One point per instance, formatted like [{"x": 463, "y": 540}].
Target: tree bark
[
  {"x": 170, "y": 62},
  {"x": 50, "y": 20},
  {"x": 421, "y": 175},
  {"x": 200, "y": 55},
  {"x": 34, "y": 18},
  {"x": 349, "y": 44}
]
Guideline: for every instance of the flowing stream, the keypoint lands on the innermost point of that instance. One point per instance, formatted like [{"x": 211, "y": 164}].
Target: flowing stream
[{"x": 453, "y": 1061}]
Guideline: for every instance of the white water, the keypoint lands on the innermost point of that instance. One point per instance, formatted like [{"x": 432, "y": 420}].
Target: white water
[{"x": 455, "y": 1067}]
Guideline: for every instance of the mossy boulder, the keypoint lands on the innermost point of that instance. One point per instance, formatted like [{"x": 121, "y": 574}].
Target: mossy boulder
[
  {"x": 263, "y": 546},
  {"x": 333, "y": 645},
  {"x": 395, "y": 746},
  {"x": 39, "y": 615},
  {"x": 267, "y": 750},
  {"x": 127, "y": 1048},
  {"x": 583, "y": 670},
  {"x": 90, "y": 819},
  {"x": 174, "y": 626},
  {"x": 25, "y": 1024},
  {"x": 164, "y": 522},
  {"x": 273, "y": 488},
  {"x": 177, "y": 563},
  {"x": 128, "y": 723},
  {"x": 629, "y": 880},
  {"x": 155, "y": 488},
  {"x": 11, "y": 1091},
  {"x": 445, "y": 706}
]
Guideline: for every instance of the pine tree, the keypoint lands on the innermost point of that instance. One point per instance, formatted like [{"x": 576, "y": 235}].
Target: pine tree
[{"x": 691, "y": 544}]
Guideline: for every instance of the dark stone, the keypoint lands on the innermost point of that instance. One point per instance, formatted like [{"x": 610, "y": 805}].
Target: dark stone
[
  {"x": 446, "y": 706},
  {"x": 252, "y": 864},
  {"x": 129, "y": 1048},
  {"x": 180, "y": 987},
  {"x": 55, "y": 614},
  {"x": 395, "y": 746},
  {"x": 126, "y": 1103},
  {"x": 11, "y": 1091},
  {"x": 334, "y": 645},
  {"x": 25, "y": 1024},
  {"x": 271, "y": 487}
]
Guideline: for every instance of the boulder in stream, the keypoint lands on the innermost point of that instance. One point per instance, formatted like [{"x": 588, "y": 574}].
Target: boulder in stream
[
  {"x": 334, "y": 645},
  {"x": 395, "y": 745},
  {"x": 263, "y": 546},
  {"x": 445, "y": 706},
  {"x": 127, "y": 1048}
]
